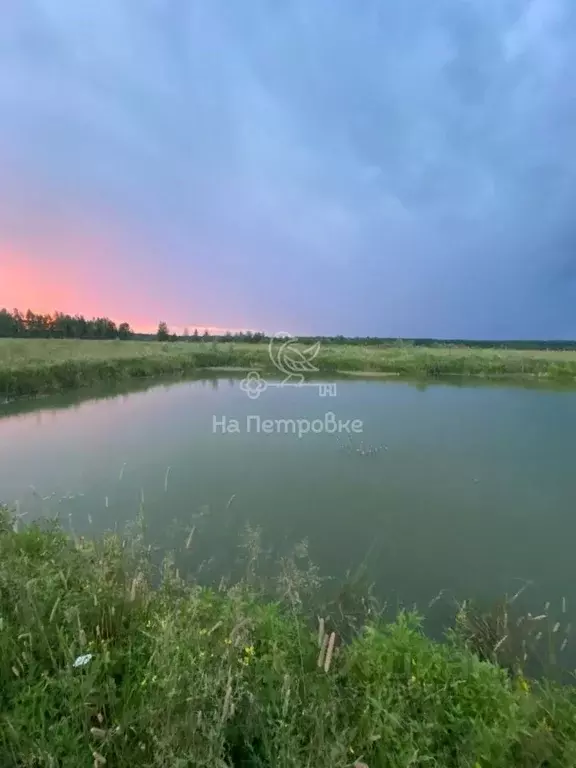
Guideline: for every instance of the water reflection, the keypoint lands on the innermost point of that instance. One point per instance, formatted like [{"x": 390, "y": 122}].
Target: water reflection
[{"x": 456, "y": 487}]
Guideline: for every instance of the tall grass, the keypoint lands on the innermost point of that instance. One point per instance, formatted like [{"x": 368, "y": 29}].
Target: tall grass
[
  {"x": 31, "y": 367},
  {"x": 179, "y": 675}
]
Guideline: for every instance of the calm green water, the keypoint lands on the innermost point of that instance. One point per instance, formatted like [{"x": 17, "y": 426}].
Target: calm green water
[{"x": 472, "y": 489}]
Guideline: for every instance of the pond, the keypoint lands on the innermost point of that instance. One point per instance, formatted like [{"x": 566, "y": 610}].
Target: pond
[{"x": 465, "y": 489}]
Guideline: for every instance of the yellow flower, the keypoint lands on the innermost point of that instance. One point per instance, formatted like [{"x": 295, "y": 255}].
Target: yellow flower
[
  {"x": 248, "y": 654},
  {"x": 203, "y": 631},
  {"x": 524, "y": 685}
]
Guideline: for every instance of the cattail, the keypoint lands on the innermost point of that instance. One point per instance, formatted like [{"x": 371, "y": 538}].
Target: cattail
[
  {"x": 329, "y": 652},
  {"x": 322, "y": 651},
  {"x": 320, "y": 632}
]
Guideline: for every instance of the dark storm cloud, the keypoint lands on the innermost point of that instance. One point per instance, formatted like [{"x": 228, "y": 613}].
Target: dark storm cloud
[{"x": 389, "y": 168}]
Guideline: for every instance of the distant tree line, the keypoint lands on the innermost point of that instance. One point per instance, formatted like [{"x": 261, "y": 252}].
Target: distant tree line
[
  {"x": 382, "y": 341},
  {"x": 163, "y": 334},
  {"x": 60, "y": 326}
]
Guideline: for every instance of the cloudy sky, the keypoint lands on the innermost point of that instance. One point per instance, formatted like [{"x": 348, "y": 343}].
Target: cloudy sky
[{"x": 384, "y": 167}]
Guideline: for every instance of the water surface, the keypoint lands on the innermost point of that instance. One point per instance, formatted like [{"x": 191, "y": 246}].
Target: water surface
[{"x": 468, "y": 489}]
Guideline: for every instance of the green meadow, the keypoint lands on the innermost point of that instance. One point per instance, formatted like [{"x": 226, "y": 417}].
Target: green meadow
[{"x": 41, "y": 366}]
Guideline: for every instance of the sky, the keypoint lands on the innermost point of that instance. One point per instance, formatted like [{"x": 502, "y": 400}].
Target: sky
[{"x": 384, "y": 167}]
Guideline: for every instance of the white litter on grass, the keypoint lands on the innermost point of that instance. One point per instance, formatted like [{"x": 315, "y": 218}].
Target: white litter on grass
[{"x": 81, "y": 661}]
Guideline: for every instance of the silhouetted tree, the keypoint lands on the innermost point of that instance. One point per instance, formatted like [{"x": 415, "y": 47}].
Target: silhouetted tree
[
  {"x": 19, "y": 322},
  {"x": 163, "y": 334},
  {"x": 8, "y": 325},
  {"x": 124, "y": 331}
]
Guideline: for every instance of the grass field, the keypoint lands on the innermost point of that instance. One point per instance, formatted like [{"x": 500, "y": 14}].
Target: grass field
[
  {"x": 178, "y": 675},
  {"x": 30, "y": 367}
]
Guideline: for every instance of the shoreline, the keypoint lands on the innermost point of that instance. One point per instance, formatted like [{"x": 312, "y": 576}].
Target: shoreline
[
  {"x": 177, "y": 376},
  {"x": 40, "y": 367}
]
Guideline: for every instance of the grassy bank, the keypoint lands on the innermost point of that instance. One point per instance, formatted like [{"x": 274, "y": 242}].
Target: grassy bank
[
  {"x": 177, "y": 675},
  {"x": 30, "y": 367}
]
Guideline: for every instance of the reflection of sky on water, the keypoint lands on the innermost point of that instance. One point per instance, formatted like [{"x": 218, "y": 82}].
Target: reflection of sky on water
[
  {"x": 475, "y": 492},
  {"x": 87, "y": 442}
]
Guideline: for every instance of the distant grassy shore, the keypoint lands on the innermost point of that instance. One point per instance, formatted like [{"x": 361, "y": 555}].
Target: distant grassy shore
[
  {"x": 100, "y": 668},
  {"x": 41, "y": 366}
]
